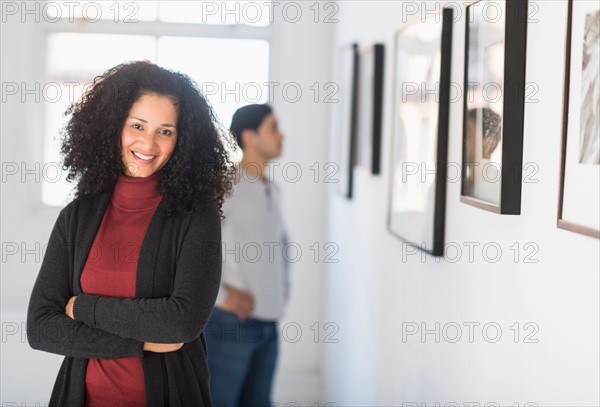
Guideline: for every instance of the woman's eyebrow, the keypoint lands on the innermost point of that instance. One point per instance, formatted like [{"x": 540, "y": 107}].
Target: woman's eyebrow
[{"x": 145, "y": 121}]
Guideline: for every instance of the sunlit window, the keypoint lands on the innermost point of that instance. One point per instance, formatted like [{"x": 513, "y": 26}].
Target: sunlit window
[
  {"x": 247, "y": 12},
  {"x": 72, "y": 62},
  {"x": 254, "y": 13},
  {"x": 230, "y": 71},
  {"x": 108, "y": 10}
]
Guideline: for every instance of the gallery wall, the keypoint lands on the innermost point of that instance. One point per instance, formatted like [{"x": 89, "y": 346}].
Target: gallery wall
[
  {"x": 544, "y": 284},
  {"x": 27, "y": 222},
  {"x": 373, "y": 294}
]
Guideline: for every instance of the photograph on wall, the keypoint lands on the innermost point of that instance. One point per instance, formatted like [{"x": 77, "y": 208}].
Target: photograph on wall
[
  {"x": 494, "y": 106},
  {"x": 422, "y": 54},
  {"x": 589, "y": 131},
  {"x": 579, "y": 200},
  {"x": 370, "y": 112},
  {"x": 345, "y": 133}
]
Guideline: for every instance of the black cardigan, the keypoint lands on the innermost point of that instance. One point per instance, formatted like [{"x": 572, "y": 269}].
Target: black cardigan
[{"x": 178, "y": 275}]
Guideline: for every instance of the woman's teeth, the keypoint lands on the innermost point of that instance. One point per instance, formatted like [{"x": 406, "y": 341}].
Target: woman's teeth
[{"x": 143, "y": 157}]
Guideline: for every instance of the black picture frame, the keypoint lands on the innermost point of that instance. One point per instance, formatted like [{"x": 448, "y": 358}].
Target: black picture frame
[
  {"x": 347, "y": 117},
  {"x": 370, "y": 107},
  {"x": 403, "y": 221},
  {"x": 587, "y": 183},
  {"x": 506, "y": 125}
]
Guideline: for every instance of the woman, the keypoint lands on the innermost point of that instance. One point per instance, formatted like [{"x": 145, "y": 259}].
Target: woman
[{"x": 132, "y": 268}]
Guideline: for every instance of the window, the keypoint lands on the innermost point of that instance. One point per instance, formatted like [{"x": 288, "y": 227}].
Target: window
[
  {"x": 231, "y": 66},
  {"x": 230, "y": 71}
]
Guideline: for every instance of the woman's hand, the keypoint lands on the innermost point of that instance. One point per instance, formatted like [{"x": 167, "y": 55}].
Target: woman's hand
[
  {"x": 162, "y": 347},
  {"x": 148, "y": 346},
  {"x": 69, "y": 307}
]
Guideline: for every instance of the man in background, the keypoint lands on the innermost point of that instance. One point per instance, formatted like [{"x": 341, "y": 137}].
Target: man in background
[{"x": 242, "y": 336}]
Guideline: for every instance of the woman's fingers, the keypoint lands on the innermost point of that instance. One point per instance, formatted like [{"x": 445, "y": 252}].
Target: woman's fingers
[{"x": 162, "y": 347}]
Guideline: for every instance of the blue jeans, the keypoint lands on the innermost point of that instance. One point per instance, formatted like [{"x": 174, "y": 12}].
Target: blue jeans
[{"x": 241, "y": 359}]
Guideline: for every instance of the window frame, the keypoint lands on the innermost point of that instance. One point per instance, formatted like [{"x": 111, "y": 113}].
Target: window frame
[{"x": 156, "y": 29}]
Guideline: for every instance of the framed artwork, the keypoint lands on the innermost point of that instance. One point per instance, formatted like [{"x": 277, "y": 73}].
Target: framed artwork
[
  {"x": 494, "y": 102},
  {"x": 347, "y": 117},
  {"x": 370, "y": 102},
  {"x": 578, "y": 203},
  {"x": 422, "y": 59}
]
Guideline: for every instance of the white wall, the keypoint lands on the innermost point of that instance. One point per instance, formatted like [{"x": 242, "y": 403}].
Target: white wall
[
  {"x": 371, "y": 291},
  {"x": 300, "y": 55},
  {"x": 294, "y": 58},
  {"x": 24, "y": 221}
]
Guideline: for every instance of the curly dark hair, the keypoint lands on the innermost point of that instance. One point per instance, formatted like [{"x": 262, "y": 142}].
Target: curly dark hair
[{"x": 199, "y": 172}]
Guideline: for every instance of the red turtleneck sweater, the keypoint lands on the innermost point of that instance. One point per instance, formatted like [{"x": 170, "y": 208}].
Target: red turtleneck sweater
[{"x": 110, "y": 270}]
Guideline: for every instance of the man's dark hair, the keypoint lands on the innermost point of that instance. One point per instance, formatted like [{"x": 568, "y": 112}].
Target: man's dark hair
[{"x": 248, "y": 117}]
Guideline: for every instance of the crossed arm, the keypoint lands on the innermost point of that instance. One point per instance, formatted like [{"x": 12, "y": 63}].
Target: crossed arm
[{"x": 107, "y": 327}]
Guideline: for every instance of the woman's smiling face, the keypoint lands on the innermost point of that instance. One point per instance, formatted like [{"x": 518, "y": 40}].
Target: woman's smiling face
[{"x": 149, "y": 135}]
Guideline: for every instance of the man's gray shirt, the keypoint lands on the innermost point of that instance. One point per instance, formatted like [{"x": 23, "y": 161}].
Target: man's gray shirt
[{"x": 255, "y": 245}]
